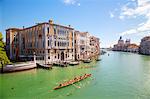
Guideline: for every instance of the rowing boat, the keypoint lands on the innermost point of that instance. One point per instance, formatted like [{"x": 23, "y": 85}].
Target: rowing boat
[{"x": 70, "y": 82}]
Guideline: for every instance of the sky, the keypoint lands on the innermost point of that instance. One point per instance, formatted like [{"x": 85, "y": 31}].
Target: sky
[{"x": 105, "y": 19}]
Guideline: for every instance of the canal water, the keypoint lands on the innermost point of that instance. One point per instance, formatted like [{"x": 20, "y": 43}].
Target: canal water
[{"x": 117, "y": 76}]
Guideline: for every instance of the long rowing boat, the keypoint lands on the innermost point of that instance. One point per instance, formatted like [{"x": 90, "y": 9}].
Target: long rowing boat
[{"x": 70, "y": 82}]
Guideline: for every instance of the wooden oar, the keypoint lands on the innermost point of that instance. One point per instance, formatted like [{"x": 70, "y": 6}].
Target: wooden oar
[{"x": 76, "y": 86}]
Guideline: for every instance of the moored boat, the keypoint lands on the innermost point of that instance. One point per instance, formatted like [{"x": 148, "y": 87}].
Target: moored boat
[
  {"x": 87, "y": 61},
  {"x": 44, "y": 66},
  {"x": 61, "y": 64},
  {"x": 74, "y": 63},
  {"x": 98, "y": 59}
]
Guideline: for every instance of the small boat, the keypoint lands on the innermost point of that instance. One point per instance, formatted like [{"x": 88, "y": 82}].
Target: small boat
[
  {"x": 74, "y": 63},
  {"x": 61, "y": 64},
  {"x": 44, "y": 66},
  {"x": 70, "y": 82},
  {"x": 87, "y": 61},
  {"x": 98, "y": 59}
]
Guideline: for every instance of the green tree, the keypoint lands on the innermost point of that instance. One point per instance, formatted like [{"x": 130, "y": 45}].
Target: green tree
[{"x": 3, "y": 56}]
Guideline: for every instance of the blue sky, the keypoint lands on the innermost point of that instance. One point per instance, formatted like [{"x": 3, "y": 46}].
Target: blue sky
[{"x": 106, "y": 19}]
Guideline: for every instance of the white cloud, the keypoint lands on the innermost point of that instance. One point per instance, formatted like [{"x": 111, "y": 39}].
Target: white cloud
[
  {"x": 79, "y": 4},
  {"x": 121, "y": 17},
  {"x": 144, "y": 26},
  {"x": 111, "y": 15},
  {"x": 71, "y": 2},
  {"x": 141, "y": 28},
  {"x": 131, "y": 31},
  {"x": 142, "y": 8}
]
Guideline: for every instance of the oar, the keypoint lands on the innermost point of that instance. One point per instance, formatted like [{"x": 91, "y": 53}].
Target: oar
[
  {"x": 80, "y": 83},
  {"x": 76, "y": 86},
  {"x": 65, "y": 80},
  {"x": 92, "y": 78}
]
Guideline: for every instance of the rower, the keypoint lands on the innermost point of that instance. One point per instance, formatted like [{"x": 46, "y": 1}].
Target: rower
[
  {"x": 60, "y": 85},
  {"x": 75, "y": 78},
  {"x": 80, "y": 77}
]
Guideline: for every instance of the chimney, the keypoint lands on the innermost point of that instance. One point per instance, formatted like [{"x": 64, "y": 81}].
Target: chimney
[
  {"x": 50, "y": 21},
  {"x": 23, "y": 27}
]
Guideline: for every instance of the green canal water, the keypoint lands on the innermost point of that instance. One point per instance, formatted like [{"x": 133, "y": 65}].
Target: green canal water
[{"x": 118, "y": 76}]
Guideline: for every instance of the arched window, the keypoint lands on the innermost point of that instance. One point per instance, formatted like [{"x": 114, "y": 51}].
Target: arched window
[
  {"x": 58, "y": 43},
  {"x": 48, "y": 57},
  {"x": 55, "y": 43},
  {"x": 47, "y": 29},
  {"x": 54, "y": 31},
  {"x": 58, "y": 56},
  {"x": 48, "y": 42}
]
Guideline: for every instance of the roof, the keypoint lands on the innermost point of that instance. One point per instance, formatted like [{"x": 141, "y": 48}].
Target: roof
[
  {"x": 133, "y": 46},
  {"x": 93, "y": 37},
  {"x": 146, "y": 38},
  {"x": 40, "y": 24},
  {"x": 64, "y": 26},
  {"x": 13, "y": 29}
]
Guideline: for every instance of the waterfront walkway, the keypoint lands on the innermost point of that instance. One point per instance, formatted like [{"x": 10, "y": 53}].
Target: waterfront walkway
[{"x": 18, "y": 67}]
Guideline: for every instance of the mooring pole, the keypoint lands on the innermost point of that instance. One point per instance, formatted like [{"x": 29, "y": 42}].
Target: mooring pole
[{"x": 34, "y": 57}]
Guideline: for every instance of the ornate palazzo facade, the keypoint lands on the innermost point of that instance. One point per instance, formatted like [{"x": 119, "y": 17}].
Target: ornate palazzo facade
[{"x": 49, "y": 41}]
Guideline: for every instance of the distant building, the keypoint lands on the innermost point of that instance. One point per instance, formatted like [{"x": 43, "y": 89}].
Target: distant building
[
  {"x": 125, "y": 46},
  {"x": 82, "y": 41},
  {"x": 95, "y": 46},
  {"x": 86, "y": 46},
  {"x": 127, "y": 42},
  {"x": 120, "y": 46},
  {"x": 120, "y": 41},
  {"x": 132, "y": 48},
  {"x": 145, "y": 45}
]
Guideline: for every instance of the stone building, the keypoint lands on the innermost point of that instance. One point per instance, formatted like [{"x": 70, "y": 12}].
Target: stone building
[
  {"x": 82, "y": 45},
  {"x": 132, "y": 48},
  {"x": 12, "y": 43},
  {"x": 95, "y": 46},
  {"x": 86, "y": 46},
  {"x": 50, "y": 42},
  {"x": 145, "y": 46},
  {"x": 120, "y": 45},
  {"x": 125, "y": 46}
]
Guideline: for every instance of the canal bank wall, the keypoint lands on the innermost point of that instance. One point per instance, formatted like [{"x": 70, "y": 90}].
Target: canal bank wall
[{"x": 33, "y": 64}]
